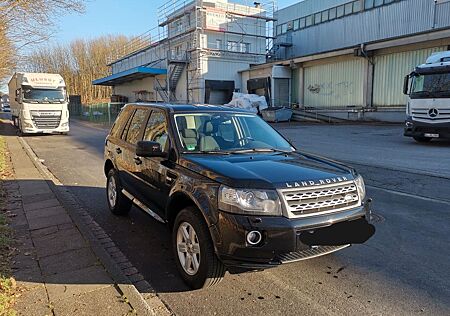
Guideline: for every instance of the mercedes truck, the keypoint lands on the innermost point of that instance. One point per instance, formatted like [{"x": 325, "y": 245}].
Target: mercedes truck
[
  {"x": 39, "y": 103},
  {"x": 428, "y": 106}
]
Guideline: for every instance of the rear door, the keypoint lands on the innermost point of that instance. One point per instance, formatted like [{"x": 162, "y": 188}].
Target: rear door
[{"x": 128, "y": 166}]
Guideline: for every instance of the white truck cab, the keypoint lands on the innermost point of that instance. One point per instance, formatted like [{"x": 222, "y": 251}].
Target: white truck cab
[
  {"x": 39, "y": 103},
  {"x": 428, "y": 107}
]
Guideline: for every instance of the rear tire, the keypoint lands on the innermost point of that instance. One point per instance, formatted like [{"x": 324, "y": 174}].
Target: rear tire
[
  {"x": 421, "y": 139},
  {"x": 191, "y": 238},
  {"x": 118, "y": 203}
]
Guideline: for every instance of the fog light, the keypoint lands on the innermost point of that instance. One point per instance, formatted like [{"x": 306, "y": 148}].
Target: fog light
[
  {"x": 409, "y": 124},
  {"x": 254, "y": 237}
]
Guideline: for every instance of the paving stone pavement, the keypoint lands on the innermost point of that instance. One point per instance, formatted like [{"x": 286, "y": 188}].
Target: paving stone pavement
[{"x": 54, "y": 263}]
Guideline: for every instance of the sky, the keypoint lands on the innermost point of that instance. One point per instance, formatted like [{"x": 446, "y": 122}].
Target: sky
[{"x": 102, "y": 17}]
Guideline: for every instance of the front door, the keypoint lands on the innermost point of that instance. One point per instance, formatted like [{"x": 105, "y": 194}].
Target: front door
[
  {"x": 156, "y": 172},
  {"x": 129, "y": 167}
]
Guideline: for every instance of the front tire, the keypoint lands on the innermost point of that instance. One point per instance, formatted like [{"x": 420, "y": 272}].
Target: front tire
[
  {"x": 118, "y": 203},
  {"x": 195, "y": 258},
  {"x": 421, "y": 139}
]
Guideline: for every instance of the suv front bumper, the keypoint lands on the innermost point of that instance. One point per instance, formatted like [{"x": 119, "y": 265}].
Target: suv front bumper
[{"x": 283, "y": 237}]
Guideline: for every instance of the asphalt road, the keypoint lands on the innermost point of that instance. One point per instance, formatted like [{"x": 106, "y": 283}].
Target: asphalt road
[{"x": 403, "y": 269}]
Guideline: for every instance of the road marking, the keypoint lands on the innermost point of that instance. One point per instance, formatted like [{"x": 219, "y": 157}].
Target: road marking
[{"x": 410, "y": 195}]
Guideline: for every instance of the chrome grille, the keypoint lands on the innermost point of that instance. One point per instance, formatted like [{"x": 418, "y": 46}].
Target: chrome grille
[
  {"x": 422, "y": 114},
  {"x": 310, "y": 201},
  {"x": 46, "y": 120}
]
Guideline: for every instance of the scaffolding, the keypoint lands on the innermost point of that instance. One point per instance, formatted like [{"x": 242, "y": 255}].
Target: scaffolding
[{"x": 191, "y": 32}]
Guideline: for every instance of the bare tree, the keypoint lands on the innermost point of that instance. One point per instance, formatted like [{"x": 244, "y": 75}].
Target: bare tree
[
  {"x": 28, "y": 22},
  {"x": 79, "y": 62}
]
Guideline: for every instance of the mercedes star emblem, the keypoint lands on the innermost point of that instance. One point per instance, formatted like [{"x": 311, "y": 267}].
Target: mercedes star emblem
[{"x": 433, "y": 113}]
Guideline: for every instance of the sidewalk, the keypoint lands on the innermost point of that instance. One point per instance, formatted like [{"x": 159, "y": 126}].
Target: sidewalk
[{"x": 56, "y": 265}]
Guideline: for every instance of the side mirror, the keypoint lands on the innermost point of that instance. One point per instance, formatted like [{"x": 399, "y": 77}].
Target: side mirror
[
  {"x": 149, "y": 149},
  {"x": 406, "y": 85}
]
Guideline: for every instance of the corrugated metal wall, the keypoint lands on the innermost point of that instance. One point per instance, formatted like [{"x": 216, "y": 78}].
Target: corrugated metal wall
[
  {"x": 335, "y": 85},
  {"x": 389, "y": 72},
  {"x": 401, "y": 18}
]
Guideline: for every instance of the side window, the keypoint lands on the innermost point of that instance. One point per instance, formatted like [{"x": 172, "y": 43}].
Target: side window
[
  {"x": 135, "y": 126},
  {"x": 156, "y": 129},
  {"x": 122, "y": 119}
]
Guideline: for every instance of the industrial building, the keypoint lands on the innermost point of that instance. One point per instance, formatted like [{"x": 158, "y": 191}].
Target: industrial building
[
  {"x": 347, "y": 58},
  {"x": 195, "y": 54}
]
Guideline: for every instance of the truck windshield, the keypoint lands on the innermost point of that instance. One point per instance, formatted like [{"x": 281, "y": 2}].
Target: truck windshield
[
  {"x": 431, "y": 85},
  {"x": 43, "y": 95},
  {"x": 228, "y": 133}
]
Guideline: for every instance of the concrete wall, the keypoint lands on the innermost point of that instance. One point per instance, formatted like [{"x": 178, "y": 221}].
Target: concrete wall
[{"x": 127, "y": 89}]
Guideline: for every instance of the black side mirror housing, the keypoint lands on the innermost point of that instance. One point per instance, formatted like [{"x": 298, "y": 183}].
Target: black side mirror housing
[
  {"x": 149, "y": 149},
  {"x": 406, "y": 85}
]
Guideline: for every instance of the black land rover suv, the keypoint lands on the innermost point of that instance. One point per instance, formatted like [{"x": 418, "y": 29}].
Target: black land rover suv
[{"x": 234, "y": 192}]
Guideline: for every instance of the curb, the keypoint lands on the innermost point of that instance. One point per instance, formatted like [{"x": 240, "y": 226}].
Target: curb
[{"x": 127, "y": 279}]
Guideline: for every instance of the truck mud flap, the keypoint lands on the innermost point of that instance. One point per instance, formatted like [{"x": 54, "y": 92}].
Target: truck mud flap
[{"x": 352, "y": 232}]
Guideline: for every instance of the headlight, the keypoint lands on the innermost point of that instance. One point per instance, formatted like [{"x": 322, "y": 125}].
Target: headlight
[
  {"x": 361, "y": 187},
  {"x": 251, "y": 202}
]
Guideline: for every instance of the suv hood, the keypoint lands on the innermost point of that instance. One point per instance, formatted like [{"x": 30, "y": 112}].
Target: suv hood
[{"x": 268, "y": 170}]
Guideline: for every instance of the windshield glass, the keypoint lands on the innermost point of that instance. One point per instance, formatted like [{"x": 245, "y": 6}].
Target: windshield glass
[
  {"x": 43, "y": 95},
  {"x": 431, "y": 85},
  {"x": 228, "y": 132}
]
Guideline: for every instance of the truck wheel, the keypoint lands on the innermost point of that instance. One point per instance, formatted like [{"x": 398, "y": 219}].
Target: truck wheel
[
  {"x": 194, "y": 252},
  {"x": 118, "y": 203},
  {"x": 421, "y": 139}
]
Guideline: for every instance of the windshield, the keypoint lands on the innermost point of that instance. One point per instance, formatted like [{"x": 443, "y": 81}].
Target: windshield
[
  {"x": 431, "y": 85},
  {"x": 43, "y": 95},
  {"x": 228, "y": 133}
]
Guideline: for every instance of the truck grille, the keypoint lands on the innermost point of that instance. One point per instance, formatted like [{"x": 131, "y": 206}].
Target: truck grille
[
  {"x": 422, "y": 114},
  {"x": 46, "y": 120},
  {"x": 330, "y": 198}
]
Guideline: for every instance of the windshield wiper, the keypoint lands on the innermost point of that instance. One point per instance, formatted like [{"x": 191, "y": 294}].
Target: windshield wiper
[
  {"x": 422, "y": 93},
  {"x": 261, "y": 150}
]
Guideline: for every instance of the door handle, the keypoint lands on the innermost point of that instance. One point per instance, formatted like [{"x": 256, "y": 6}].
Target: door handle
[
  {"x": 118, "y": 150},
  {"x": 137, "y": 160}
]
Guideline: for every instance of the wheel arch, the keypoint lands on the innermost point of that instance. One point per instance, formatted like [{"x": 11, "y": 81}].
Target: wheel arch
[
  {"x": 181, "y": 200},
  {"x": 108, "y": 166}
]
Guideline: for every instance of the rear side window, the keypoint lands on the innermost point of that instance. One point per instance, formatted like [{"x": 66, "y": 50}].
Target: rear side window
[
  {"x": 136, "y": 123},
  {"x": 122, "y": 119}
]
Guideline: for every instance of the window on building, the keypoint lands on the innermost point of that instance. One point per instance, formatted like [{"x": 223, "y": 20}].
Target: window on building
[
  {"x": 218, "y": 44},
  {"x": 284, "y": 28},
  {"x": 278, "y": 29},
  {"x": 332, "y": 14},
  {"x": 368, "y": 4},
  {"x": 348, "y": 8},
  {"x": 356, "y": 6},
  {"x": 296, "y": 24},
  {"x": 302, "y": 23},
  {"x": 245, "y": 47},
  {"x": 290, "y": 25},
  {"x": 233, "y": 46},
  {"x": 317, "y": 18},
  {"x": 340, "y": 11},
  {"x": 378, "y": 3},
  {"x": 325, "y": 15},
  {"x": 388, "y": 1},
  {"x": 309, "y": 20}
]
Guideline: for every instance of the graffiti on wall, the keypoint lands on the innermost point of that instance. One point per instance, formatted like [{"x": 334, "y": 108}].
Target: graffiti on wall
[{"x": 338, "y": 90}]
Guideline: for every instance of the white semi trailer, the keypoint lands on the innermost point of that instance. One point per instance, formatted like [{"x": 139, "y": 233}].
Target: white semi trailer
[
  {"x": 39, "y": 103},
  {"x": 428, "y": 107}
]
